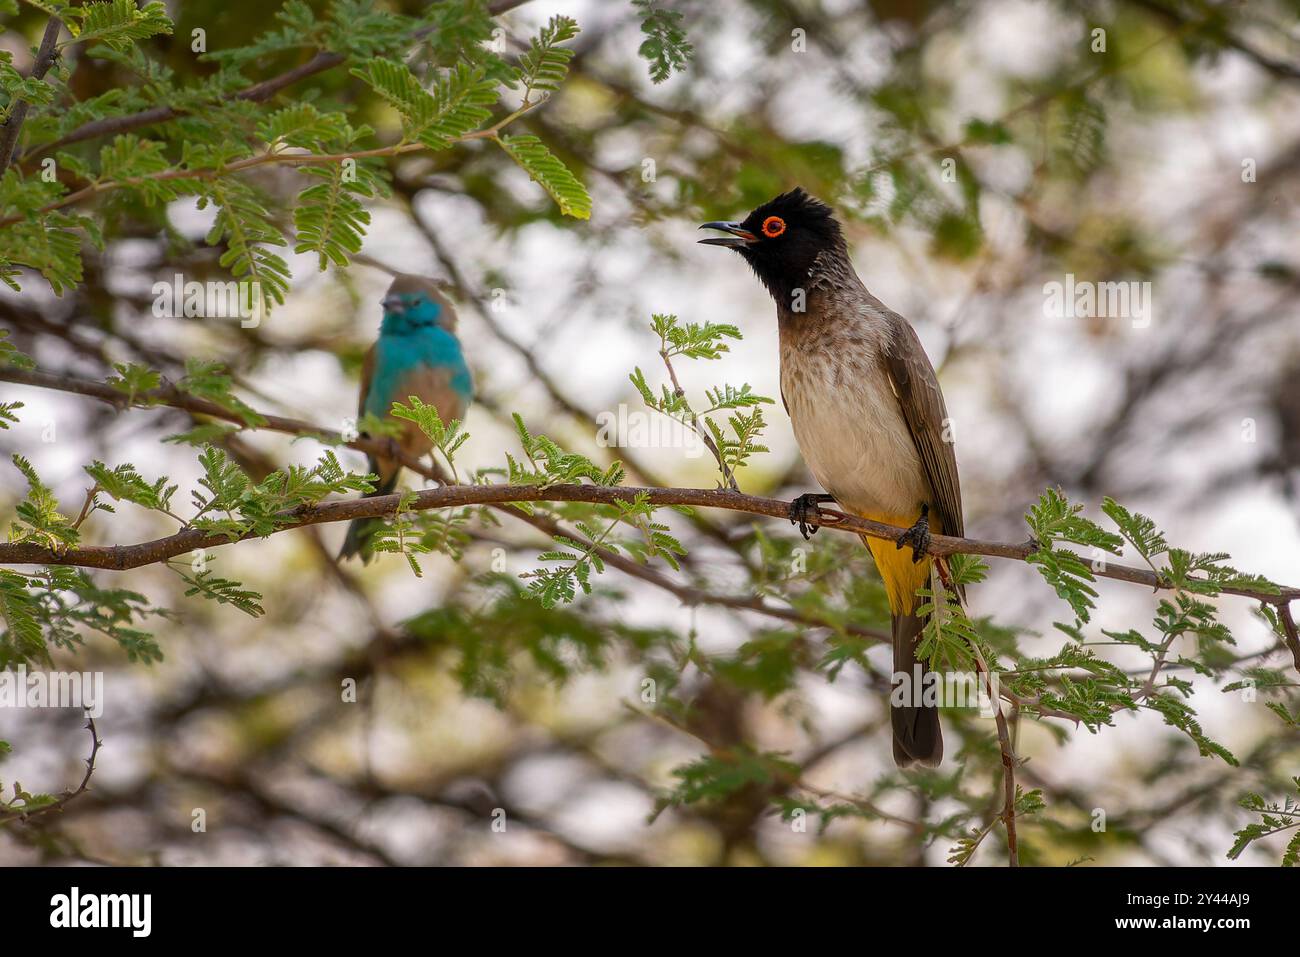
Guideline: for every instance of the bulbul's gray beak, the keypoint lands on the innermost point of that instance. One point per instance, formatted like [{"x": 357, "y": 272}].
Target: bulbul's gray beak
[
  {"x": 394, "y": 304},
  {"x": 739, "y": 235}
]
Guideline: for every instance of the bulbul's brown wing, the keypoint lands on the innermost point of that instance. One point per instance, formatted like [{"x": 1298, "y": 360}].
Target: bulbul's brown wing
[{"x": 917, "y": 388}]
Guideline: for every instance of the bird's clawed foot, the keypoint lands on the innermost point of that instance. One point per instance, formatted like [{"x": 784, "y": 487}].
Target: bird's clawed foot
[
  {"x": 918, "y": 536},
  {"x": 804, "y": 508}
]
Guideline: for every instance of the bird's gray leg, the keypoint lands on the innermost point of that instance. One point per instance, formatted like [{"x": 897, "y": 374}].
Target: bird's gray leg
[
  {"x": 918, "y": 536},
  {"x": 804, "y": 508}
]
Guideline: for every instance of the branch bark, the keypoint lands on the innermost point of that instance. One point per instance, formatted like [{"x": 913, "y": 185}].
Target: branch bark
[
  {"x": 24, "y": 814},
  {"x": 120, "y": 557},
  {"x": 45, "y": 57}
]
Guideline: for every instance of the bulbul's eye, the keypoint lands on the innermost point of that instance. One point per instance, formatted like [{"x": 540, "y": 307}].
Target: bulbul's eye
[{"x": 773, "y": 226}]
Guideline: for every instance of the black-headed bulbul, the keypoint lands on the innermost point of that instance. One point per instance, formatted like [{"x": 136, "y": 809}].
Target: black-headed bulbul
[{"x": 867, "y": 413}]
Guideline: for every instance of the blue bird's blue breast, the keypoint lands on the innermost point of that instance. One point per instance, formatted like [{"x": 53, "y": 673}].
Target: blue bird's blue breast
[{"x": 400, "y": 353}]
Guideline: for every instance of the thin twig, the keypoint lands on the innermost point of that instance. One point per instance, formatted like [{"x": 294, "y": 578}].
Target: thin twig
[
  {"x": 1292, "y": 638},
  {"x": 1009, "y": 761},
  {"x": 680, "y": 394},
  {"x": 13, "y": 125},
  {"x": 26, "y": 815},
  {"x": 87, "y": 505}
]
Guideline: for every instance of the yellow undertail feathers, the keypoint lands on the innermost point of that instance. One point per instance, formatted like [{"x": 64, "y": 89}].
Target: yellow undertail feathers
[{"x": 902, "y": 576}]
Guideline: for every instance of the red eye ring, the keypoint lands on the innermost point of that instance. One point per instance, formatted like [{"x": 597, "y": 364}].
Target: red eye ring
[{"x": 773, "y": 226}]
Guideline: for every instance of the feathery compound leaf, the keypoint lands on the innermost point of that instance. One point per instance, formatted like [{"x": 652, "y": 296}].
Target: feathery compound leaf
[
  {"x": 552, "y": 175},
  {"x": 247, "y": 229},
  {"x": 43, "y": 241},
  {"x": 456, "y": 105},
  {"x": 1137, "y": 528},
  {"x": 21, "y": 640},
  {"x": 1068, "y": 574},
  {"x": 329, "y": 219},
  {"x": 545, "y": 65},
  {"x": 715, "y": 777},
  {"x": 225, "y": 480},
  {"x": 133, "y": 379},
  {"x": 665, "y": 45},
  {"x": 124, "y": 483},
  {"x": 39, "y": 518},
  {"x": 117, "y": 23},
  {"x": 54, "y": 252},
  {"x": 729, "y": 397},
  {"x": 129, "y": 157},
  {"x": 223, "y": 591},
  {"x": 208, "y": 380},
  {"x": 693, "y": 340},
  {"x": 300, "y": 30},
  {"x": 302, "y": 125},
  {"x": 1276, "y": 818},
  {"x": 1053, "y": 518},
  {"x": 446, "y": 437},
  {"x": 363, "y": 28},
  {"x": 18, "y": 88},
  {"x": 746, "y": 429},
  {"x": 398, "y": 85},
  {"x": 461, "y": 100}
]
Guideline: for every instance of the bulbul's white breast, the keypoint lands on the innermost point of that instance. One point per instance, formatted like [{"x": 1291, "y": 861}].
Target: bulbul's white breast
[{"x": 849, "y": 425}]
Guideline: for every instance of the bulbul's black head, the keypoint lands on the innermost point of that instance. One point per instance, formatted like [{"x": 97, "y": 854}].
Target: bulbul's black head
[{"x": 782, "y": 239}]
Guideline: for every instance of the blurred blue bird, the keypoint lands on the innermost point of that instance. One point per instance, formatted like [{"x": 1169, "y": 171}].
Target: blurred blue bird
[{"x": 417, "y": 354}]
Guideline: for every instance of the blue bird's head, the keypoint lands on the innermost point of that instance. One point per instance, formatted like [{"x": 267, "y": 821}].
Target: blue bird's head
[{"x": 414, "y": 303}]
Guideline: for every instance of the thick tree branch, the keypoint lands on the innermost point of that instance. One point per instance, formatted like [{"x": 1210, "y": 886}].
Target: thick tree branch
[{"x": 120, "y": 557}]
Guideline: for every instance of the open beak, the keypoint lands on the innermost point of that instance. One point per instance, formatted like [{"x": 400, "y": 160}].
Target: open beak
[
  {"x": 393, "y": 304},
  {"x": 739, "y": 236}
]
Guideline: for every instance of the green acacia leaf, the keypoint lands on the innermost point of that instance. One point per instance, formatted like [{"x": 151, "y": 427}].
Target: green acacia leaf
[{"x": 548, "y": 172}]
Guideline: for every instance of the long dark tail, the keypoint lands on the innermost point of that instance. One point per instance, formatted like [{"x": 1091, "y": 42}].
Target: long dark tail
[
  {"x": 361, "y": 530},
  {"x": 917, "y": 737}
]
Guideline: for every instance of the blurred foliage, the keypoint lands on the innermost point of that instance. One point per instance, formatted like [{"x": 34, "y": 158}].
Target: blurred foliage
[{"x": 413, "y": 98}]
